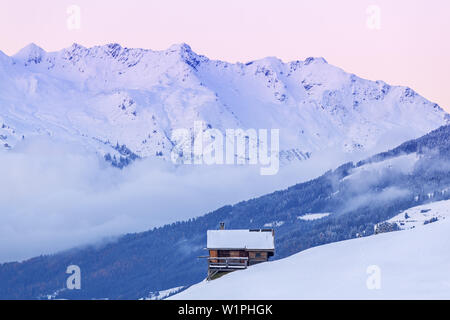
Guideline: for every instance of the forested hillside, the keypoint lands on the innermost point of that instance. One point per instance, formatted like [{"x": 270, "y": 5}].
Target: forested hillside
[{"x": 356, "y": 196}]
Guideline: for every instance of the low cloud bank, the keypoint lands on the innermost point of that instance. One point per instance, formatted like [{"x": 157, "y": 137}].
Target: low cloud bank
[{"x": 54, "y": 196}]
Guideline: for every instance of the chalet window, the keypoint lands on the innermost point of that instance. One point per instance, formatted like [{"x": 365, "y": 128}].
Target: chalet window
[{"x": 224, "y": 253}]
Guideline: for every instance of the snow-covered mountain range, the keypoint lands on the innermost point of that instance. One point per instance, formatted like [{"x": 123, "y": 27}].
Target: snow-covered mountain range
[{"x": 126, "y": 102}]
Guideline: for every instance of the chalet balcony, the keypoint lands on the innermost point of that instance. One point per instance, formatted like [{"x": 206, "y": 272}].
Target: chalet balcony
[{"x": 227, "y": 263}]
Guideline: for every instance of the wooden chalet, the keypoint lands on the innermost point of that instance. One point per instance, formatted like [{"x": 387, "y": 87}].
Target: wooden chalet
[{"x": 231, "y": 250}]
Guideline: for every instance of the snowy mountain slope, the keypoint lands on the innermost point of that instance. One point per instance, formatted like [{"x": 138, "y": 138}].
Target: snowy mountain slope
[
  {"x": 109, "y": 96},
  {"x": 420, "y": 215},
  {"x": 342, "y": 204},
  {"x": 413, "y": 264},
  {"x": 161, "y": 295}
]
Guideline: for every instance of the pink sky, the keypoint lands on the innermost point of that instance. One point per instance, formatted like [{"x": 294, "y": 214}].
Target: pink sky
[{"x": 411, "y": 48}]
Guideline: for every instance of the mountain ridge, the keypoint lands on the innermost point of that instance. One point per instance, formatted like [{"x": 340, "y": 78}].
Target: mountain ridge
[{"x": 104, "y": 95}]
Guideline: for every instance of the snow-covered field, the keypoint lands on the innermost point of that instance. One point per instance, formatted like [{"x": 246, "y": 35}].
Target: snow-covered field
[
  {"x": 417, "y": 216},
  {"x": 313, "y": 216},
  {"x": 408, "y": 264}
]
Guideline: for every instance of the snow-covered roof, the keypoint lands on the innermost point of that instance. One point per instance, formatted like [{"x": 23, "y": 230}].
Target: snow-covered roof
[{"x": 240, "y": 239}]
